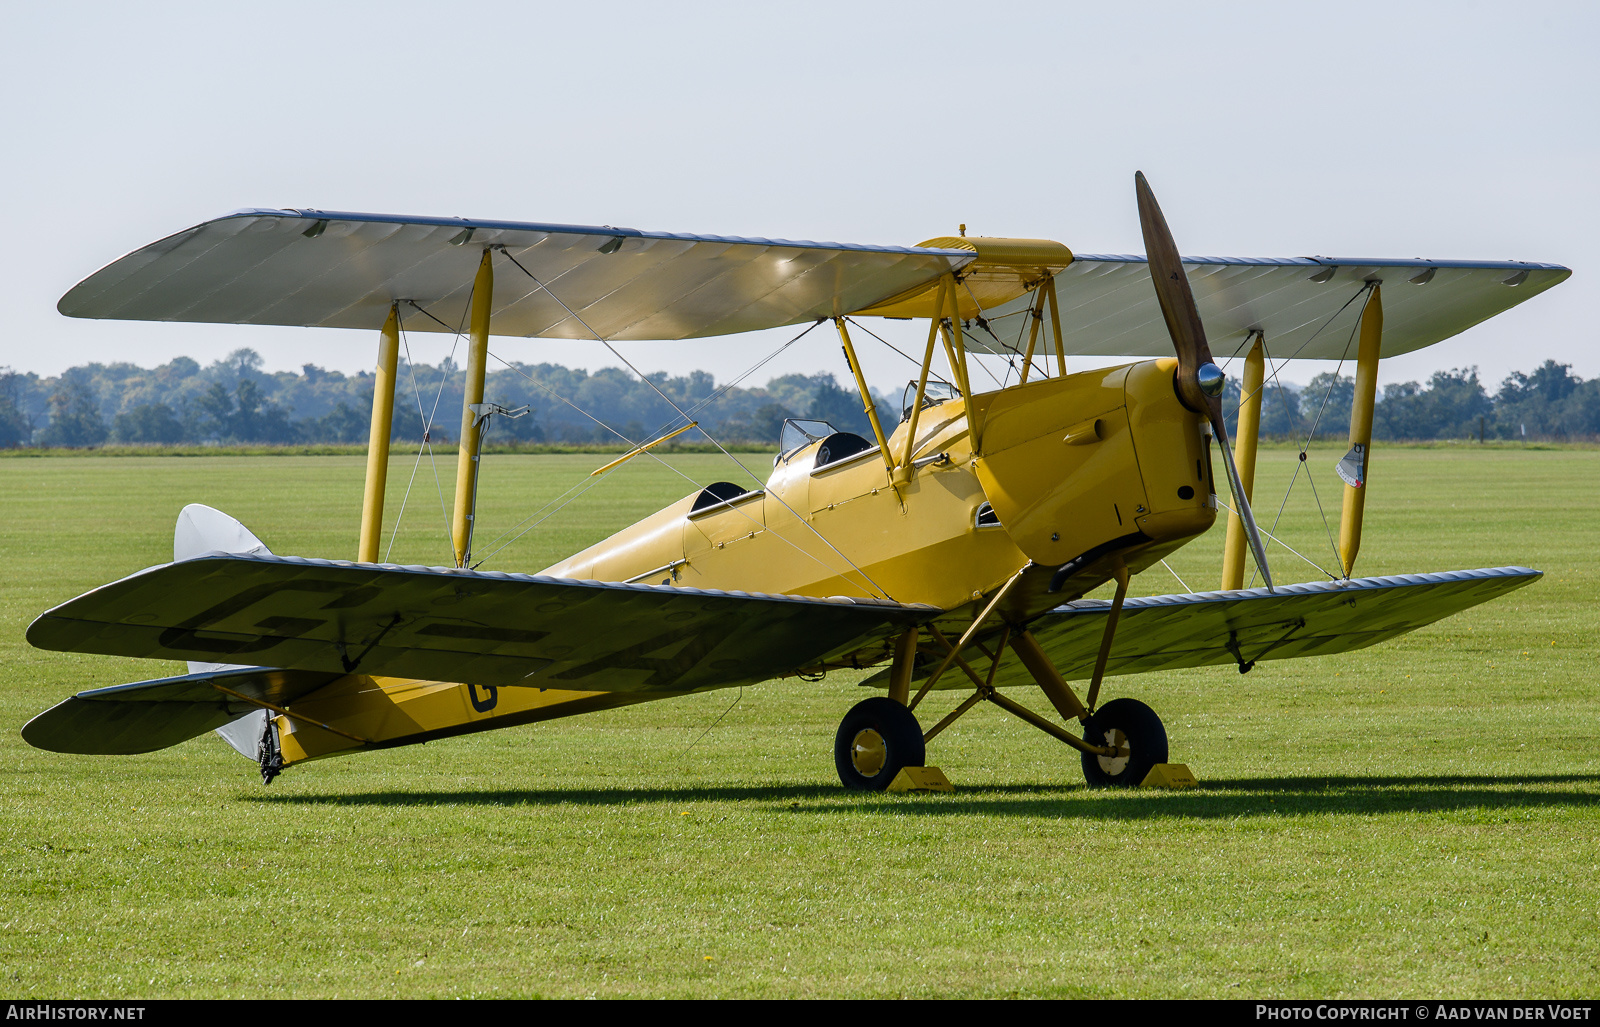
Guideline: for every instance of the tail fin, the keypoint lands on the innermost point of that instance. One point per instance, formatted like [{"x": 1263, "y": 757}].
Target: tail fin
[
  {"x": 204, "y": 530},
  {"x": 201, "y": 530}
]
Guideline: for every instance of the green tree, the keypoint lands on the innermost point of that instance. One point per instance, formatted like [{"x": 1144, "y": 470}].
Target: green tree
[
  {"x": 839, "y": 408},
  {"x": 16, "y": 429},
  {"x": 1551, "y": 401},
  {"x": 762, "y": 425},
  {"x": 242, "y": 416},
  {"x": 1325, "y": 404},
  {"x": 342, "y": 424},
  {"x": 148, "y": 423},
  {"x": 75, "y": 419}
]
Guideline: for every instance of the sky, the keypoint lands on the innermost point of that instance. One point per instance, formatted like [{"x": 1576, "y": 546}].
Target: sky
[{"x": 1461, "y": 130}]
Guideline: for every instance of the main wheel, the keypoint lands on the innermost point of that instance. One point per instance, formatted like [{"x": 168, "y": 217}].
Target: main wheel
[
  {"x": 876, "y": 738},
  {"x": 1129, "y": 723}
]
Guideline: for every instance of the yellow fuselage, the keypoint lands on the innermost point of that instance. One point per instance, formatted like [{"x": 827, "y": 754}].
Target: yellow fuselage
[
  {"x": 1079, "y": 470},
  {"x": 1069, "y": 465}
]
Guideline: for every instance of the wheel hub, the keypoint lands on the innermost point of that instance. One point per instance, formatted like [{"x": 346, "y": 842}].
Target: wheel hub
[
  {"x": 868, "y": 753},
  {"x": 1115, "y": 765}
]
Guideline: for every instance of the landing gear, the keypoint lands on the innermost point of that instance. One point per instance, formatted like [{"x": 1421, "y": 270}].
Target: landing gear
[
  {"x": 876, "y": 738},
  {"x": 268, "y": 753},
  {"x": 1135, "y": 730}
]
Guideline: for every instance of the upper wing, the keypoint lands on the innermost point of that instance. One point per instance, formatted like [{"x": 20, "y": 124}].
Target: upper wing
[
  {"x": 484, "y": 628},
  {"x": 317, "y": 268},
  {"x": 1109, "y": 309},
  {"x": 1204, "y": 629},
  {"x": 334, "y": 269}
]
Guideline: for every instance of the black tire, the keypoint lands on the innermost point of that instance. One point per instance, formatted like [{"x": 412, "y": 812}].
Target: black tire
[
  {"x": 876, "y": 738},
  {"x": 1142, "y": 732}
]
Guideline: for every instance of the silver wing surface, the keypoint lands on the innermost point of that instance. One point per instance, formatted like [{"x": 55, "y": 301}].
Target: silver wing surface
[
  {"x": 335, "y": 269},
  {"x": 482, "y": 628},
  {"x": 1305, "y": 306},
  {"x": 331, "y": 269},
  {"x": 1205, "y": 629}
]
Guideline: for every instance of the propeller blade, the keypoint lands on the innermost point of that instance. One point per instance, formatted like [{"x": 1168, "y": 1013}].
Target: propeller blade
[
  {"x": 1199, "y": 381},
  {"x": 1176, "y": 299}
]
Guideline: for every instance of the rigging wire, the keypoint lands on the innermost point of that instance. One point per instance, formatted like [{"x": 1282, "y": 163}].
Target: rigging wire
[
  {"x": 736, "y": 700},
  {"x": 984, "y": 324},
  {"x": 1281, "y": 542},
  {"x": 913, "y": 360},
  {"x": 416, "y": 392},
  {"x": 642, "y": 377},
  {"x": 583, "y": 486},
  {"x": 594, "y": 481},
  {"x": 1312, "y": 432},
  {"x": 1274, "y": 379},
  {"x": 427, "y": 425},
  {"x": 426, "y": 443}
]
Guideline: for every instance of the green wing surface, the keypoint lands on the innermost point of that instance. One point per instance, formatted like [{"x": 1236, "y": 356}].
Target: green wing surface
[
  {"x": 148, "y": 715},
  {"x": 1206, "y": 629},
  {"x": 441, "y": 624}
]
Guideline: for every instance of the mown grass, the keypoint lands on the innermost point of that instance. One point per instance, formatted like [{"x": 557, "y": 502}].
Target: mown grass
[{"x": 1418, "y": 819}]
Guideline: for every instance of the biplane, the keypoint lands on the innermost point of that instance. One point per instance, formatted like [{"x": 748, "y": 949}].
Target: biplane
[{"x": 949, "y": 552}]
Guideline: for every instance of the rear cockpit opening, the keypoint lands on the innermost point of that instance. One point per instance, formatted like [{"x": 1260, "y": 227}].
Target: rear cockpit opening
[
  {"x": 839, "y": 445},
  {"x": 717, "y": 492}
]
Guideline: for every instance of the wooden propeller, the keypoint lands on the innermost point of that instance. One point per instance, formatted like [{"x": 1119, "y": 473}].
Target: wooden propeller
[{"x": 1199, "y": 381}]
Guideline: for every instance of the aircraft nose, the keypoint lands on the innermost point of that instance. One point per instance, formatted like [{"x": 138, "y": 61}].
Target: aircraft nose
[{"x": 1173, "y": 453}]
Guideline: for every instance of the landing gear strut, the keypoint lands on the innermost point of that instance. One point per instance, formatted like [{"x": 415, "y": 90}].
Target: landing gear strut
[{"x": 268, "y": 753}]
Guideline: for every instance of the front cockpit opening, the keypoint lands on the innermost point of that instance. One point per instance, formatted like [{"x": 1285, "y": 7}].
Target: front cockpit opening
[{"x": 934, "y": 393}]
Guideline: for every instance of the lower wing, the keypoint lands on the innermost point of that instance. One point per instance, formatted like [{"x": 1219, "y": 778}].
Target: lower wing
[
  {"x": 1203, "y": 629},
  {"x": 463, "y": 626}
]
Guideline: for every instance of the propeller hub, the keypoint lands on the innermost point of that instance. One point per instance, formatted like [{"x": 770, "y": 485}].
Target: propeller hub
[{"x": 1211, "y": 379}]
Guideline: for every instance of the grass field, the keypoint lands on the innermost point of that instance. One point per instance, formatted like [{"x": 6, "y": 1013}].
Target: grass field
[{"x": 1418, "y": 819}]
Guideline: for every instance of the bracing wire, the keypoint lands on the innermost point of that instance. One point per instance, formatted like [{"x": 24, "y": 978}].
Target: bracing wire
[
  {"x": 1285, "y": 545},
  {"x": 686, "y": 418},
  {"x": 736, "y": 700},
  {"x": 443, "y": 379},
  {"x": 1174, "y": 573},
  {"x": 426, "y": 443},
  {"x": 932, "y": 376},
  {"x": 983, "y": 324},
  {"x": 1316, "y": 421},
  {"x": 588, "y": 482}
]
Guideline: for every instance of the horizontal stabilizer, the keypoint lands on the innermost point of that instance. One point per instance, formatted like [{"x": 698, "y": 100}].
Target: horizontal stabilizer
[
  {"x": 1204, "y": 629},
  {"x": 442, "y": 624},
  {"x": 150, "y": 715}
]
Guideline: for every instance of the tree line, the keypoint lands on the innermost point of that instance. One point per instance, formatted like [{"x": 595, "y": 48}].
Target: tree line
[
  {"x": 1549, "y": 403},
  {"x": 235, "y": 401}
]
